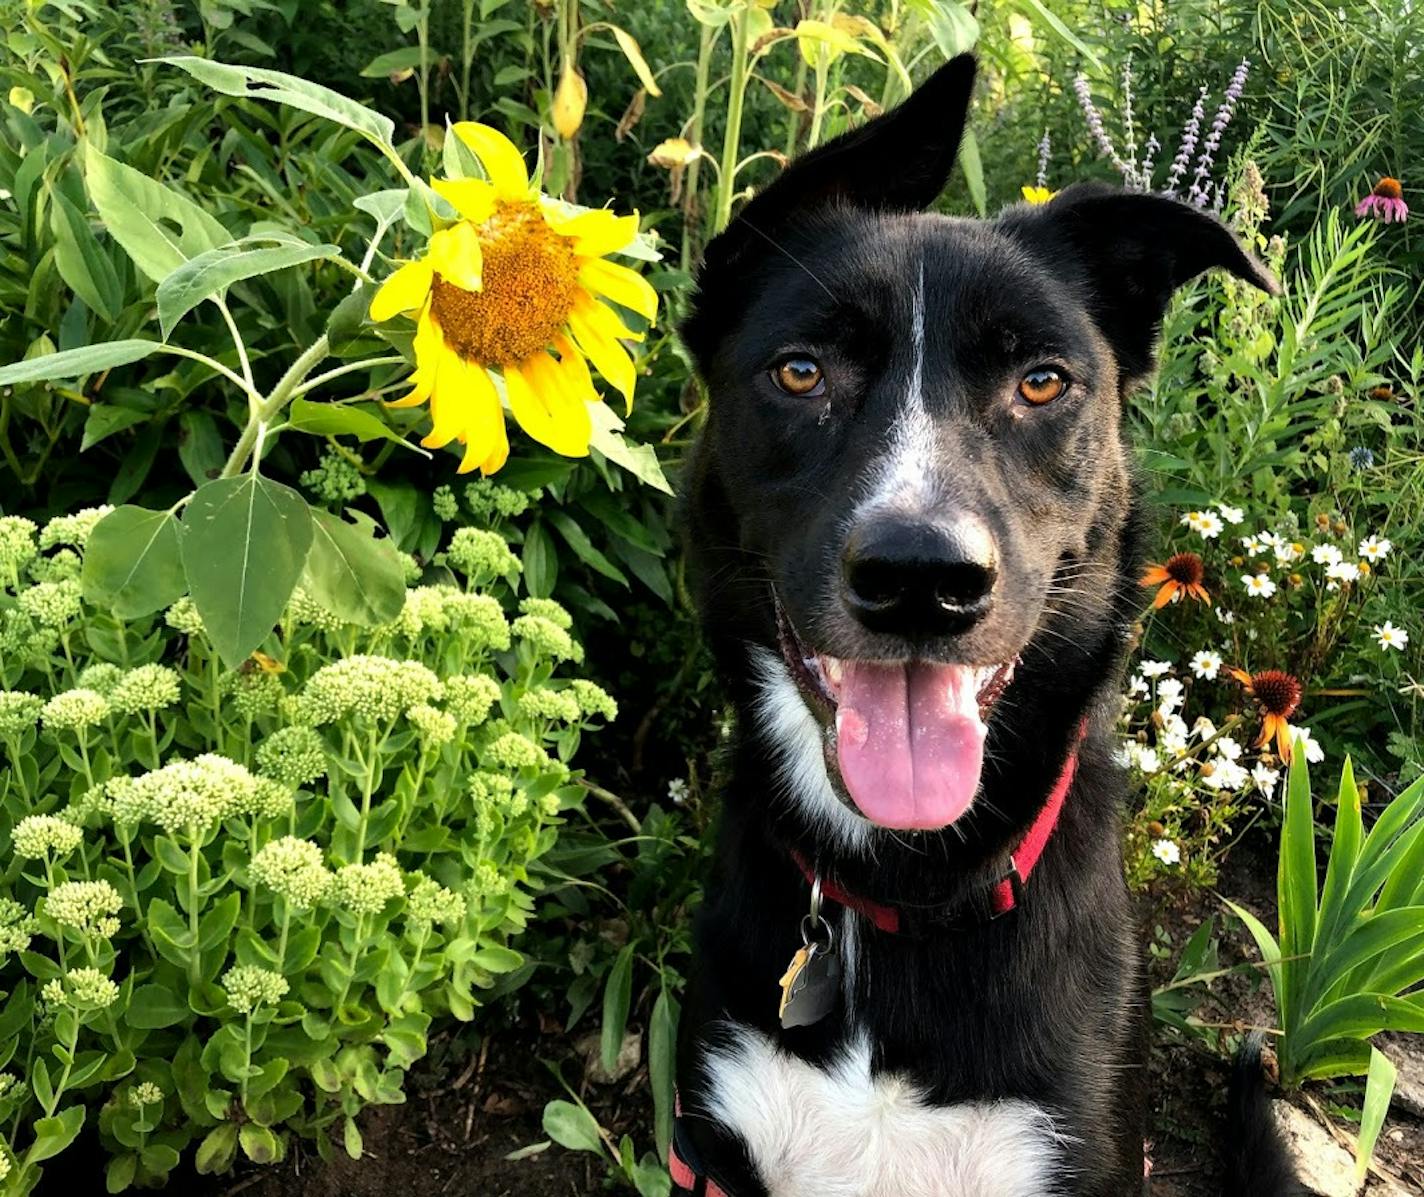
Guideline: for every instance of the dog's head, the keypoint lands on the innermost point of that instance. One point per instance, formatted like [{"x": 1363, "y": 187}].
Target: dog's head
[{"x": 910, "y": 493}]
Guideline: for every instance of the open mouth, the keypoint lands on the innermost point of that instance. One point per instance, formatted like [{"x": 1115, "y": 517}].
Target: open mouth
[{"x": 905, "y": 739}]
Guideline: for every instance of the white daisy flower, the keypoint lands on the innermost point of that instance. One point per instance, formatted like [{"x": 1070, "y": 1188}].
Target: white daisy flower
[
  {"x": 1167, "y": 852},
  {"x": 1154, "y": 668},
  {"x": 1302, "y": 739},
  {"x": 1258, "y": 585},
  {"x": 1326, "y": 554},
  {"x": 1343, "y": 571},
  {"x": 1253, "y": 544},
  {"x": 1204, "y": 727},
  {"x": 1390, "y": 636},
  {"x": 1272, "y": 540},
  {"x": 1206, "y": 664},
  {"x": 1227, "y": 748},
  {"x": 1265, "y": 778},
  {"x": 1232, "y": 515},
  {"x": 1138, "y": 687},
  {"x": 1169, "y": 694},
  {"x": 1288, "y": 552},
  {"x": 1375, "y": 548},
  {"x": 1207, "y": 524},
  {"x": 1227, "y": 617}
]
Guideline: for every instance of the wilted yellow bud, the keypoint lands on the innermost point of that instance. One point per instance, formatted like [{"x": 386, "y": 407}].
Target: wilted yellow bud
[
  {"x": 570, "y": 102},
  {"x": 674, "y": 152}
]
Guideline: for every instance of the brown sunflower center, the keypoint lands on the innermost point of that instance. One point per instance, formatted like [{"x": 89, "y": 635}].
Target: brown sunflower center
[
  {"x": 531, "y": 281},
  {"x": 1185, "y": 569},
  {"x": 1389, "y": 188},
  {"x": 1277, "y": 692}
]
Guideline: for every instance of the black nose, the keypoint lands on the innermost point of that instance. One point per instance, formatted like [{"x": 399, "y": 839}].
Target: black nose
[{"x": 919, "y": 578}]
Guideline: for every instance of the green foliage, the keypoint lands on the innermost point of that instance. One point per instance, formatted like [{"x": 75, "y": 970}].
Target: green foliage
[{"x": 237, "y": 900}]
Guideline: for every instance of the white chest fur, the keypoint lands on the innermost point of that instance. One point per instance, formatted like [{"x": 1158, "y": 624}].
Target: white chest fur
[{"x": 838, "y": 1131}]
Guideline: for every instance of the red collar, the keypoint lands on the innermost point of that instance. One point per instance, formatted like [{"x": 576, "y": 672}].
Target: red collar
[{"x": 1005, "y": 894}]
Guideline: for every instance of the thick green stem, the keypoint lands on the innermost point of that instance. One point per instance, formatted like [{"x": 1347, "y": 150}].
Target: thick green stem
[
  {"x": 261, "y": 414},
  {"x": 467, "y": 58},
  {"x": 691, "y": 205},
  {"x": 195, "y": 961},
  {"x": 732, "y": 137}
]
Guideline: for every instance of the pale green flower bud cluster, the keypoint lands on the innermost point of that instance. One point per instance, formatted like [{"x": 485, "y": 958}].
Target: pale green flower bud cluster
[
  {"x": 302, "y": 608},
  {"x": 366, "y": 888},
  {"x": 19, "y": 712},
  {"x": 83, "y": 988},
  {"x": 147, "y": 688},
  {"x": 487, "y": 499},
  {"x": 294, "y": 870},
  {"x": 470, "y": 697},
  {"x": 88, "y": 907},
  {"x": 423, "y": 611},
  {"x": 74, "y": 710},
  {"x": 549, "y": 805},
  {"x": 432, "y": 904},
  {"x": 488, "y": 882},
  {"x": 477, "y": 553},
  {"x": 22, "y": 640},
  {"x": 295, "y": 756},
  {"x": 17, "y": 542},
  {"x": 547, "y": 639},
  {"x": 39, "y": 837},
  {"x": 555, "y": 706},
  {"x": 593, "y": 699},
  {"x": 334, "y": 479},
  {"x": 247, "y": 986},
  {"x": 434, "y": 726},
  {"x": 72, "y": 529},
  {"x": 7, "y": 1083},
  {"x": 492, "y": 789},
  {"x": 513, "y": 751},
  {"x": 145, "y": 1093},
  {"x": 412, "y": 568},
  {"x": 85, "y": 811},
  {"x": 17, "y": 928},
  {"x": 270, "y": 799},
  {"x": 183, "y": 617},
  {"x": 547, "y": 608},
  {"x": 102, "y": 677},
  {"x": 446, "y": 506},
  {"x": 368, "y": 687},
  {"x": 64, "y": 566},
  {"x": 195, "y": 794},
  {"x": 254, "y": 693},
  {"x": 480, "y": 618},
  {"x": 52, "y": 604}
]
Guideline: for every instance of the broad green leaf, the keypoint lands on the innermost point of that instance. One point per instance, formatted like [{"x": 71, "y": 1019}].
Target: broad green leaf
[
  {"x": 1379, "y": 1088},
  {"x": 496, "y": 959},
  {"x": 572, "y": 1126},
  {"x": 216, "y": 1151},
  {"x": 617, "y": 996},
  {"x": 583, "y": 547},
  {"x": 53, "y": 1135},
  {"x": 1361, "y": 1015},
  {"x": 662, "y": 1065},
  {"x": 81, "y": 260},
  {"x": 281, "y": 88},
  {"x": 155, "y": 1006},
  {"x": 339, "y": 419},
  {"x": 1326, "y": 1059},
  {"x": 393, "y": 61},
  {"x": 1037, "y": 8},
  {"x": 540, "y": 560},
  {"x": 351, "y": 1138},
  {"x": 158, "y": 228},
  {"x": 258, "y": 1143},
  {"x": 973, "y": 168},
  {"x": 639, "y": 460},
  {"x": 119, "y": 1174},
  {"x": 245, "y": 542},
  {"x": 952, "y": 26},
  {"x": 133, "y": 564},
  {"x": 1367, "y": 939},
  {"x": 211, "y": 273},
  {"x": 1265, "y": 943},
  {"x": 353, "y": 573},
  {"x": 1296, "y": 892},
  {"x": 105, "y": 419},
  {"x": 75, "y": 363},
  {"x": 1344, "y": 850}
]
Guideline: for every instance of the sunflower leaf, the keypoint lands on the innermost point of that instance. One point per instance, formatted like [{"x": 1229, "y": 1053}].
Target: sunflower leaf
[{"x": 213, "y": 272}]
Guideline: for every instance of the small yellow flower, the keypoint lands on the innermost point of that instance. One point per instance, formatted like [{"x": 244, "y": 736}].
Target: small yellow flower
[
  {"x": 514, "y": 285},
  {"x": 1037, "y": 195}
]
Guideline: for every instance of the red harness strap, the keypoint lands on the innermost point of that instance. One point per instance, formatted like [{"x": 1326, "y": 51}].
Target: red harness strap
[
  {"x": 1005, "y": 893},
  {"x": 682, "y": 1175}
]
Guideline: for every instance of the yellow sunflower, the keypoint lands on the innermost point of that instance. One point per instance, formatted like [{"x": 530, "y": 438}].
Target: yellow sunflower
[{"x": 515, "y": 285}]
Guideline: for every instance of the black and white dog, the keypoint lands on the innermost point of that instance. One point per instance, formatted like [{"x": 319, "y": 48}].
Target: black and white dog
[{"x": 914, "y": 530}]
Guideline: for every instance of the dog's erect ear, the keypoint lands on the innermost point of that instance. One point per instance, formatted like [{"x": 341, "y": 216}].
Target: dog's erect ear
[
  {"x": 898, "y": 162},
  {"x": 1130, "y": 251}
]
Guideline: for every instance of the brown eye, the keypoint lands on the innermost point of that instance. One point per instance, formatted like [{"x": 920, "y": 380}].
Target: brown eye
[
  {"x": 800, "y": 376},
  {"x": 1042, "y": 386}
]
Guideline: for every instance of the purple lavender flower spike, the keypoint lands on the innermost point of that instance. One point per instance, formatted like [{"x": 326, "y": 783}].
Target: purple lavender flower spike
[
  {"x": 1149, "y": 153},
  {"x": 1190, "y": 132},
  {"x": 1095, "y": 124},
  {"x": 1045, "y": 147},
  {"x": 1129, "y": 132},
  {"x": 1200, "y": 193}
]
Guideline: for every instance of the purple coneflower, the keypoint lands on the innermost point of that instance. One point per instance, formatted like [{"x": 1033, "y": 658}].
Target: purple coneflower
[{"x": 1385, "y": 202}]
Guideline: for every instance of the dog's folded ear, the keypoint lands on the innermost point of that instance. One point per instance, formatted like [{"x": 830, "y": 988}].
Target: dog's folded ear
[
  {"x": 898, "y": 162},
  {"x": 1129, "y": 251}
]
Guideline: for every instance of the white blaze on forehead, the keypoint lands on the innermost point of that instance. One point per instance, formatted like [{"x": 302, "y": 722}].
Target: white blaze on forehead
[
  {"x": 844, "y": 1131},
  {"x": 902, "y": 478}
]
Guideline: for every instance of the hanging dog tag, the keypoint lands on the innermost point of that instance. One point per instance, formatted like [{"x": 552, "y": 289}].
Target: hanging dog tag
[{"x": 810, "y": 987}]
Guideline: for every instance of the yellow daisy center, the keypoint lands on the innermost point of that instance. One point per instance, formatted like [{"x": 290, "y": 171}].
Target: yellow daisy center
[{"x": 531, "y": 280}]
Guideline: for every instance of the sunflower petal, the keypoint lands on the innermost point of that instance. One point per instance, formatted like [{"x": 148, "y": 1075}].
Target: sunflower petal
[
  {"x": 603, "y": 350},
  {"x": 471, "y": 198},
  {"x": 427, "y": 347},
  {"x": 574, "y": 369},
  {"x": 595, "y": 233},
  {"x": 544, "y": 409},
  {"x": 500, "y": 453},
  {"x": 499, "y": 156},
  {"x": 404, "y": 291},
  {"x": 455, "y": 255},
  {"x": 484, "y": 422},
  {"x": 621, "y": 285},
  {"x": 449, "y": 412}
]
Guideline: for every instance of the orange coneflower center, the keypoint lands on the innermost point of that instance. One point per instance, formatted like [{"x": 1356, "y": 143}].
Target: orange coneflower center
[
  {"x": 1277, "y": 692},
  {"x": 530, "y": 275},
  {"x": 1388, "y": 188},
  {"x": 1185, "y": 569}
]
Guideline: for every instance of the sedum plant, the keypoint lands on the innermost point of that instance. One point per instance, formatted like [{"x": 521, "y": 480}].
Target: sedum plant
[
  {"x": 235, "y": 901},
  {"x": 1350, "y": 957}
]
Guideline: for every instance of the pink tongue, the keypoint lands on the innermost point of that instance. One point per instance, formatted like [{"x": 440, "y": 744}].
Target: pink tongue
[{"x": 910, "y": 742}]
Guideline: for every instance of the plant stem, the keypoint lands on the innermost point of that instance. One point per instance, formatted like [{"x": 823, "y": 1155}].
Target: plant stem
[
  {"x": 195, "y": 960},
  {"x": 467, "y": 58},
  {"x": 732, "y": 137},
  {"x": 690, "y": 203},
  {"x": 262, "y": 413}
]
